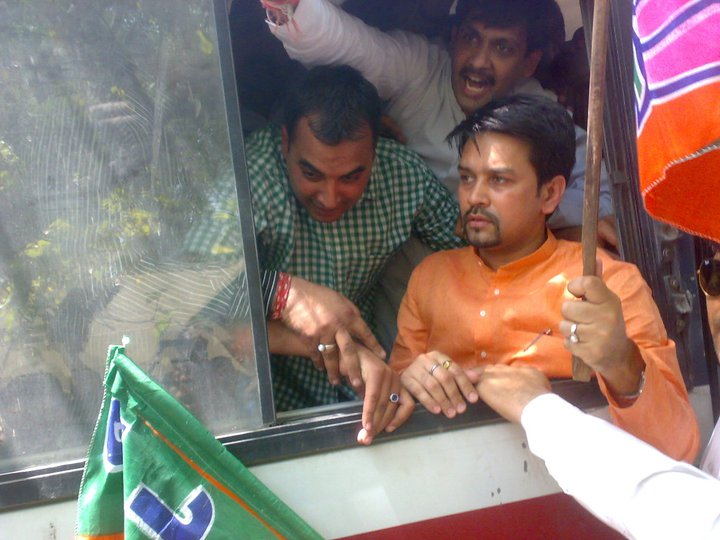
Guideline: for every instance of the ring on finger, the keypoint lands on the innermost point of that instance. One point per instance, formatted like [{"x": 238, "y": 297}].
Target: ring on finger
[
  {"x": 446, "y": 364},
  {"x": 394, "y": 398},
  {"x": 433, "y": 368},
  {"x": 573, "y": 337},
  {"x": 326, "y": 347}
]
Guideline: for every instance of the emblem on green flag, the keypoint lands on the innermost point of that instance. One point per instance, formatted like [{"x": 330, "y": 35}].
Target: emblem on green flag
[{"x": 154, "y": 471}]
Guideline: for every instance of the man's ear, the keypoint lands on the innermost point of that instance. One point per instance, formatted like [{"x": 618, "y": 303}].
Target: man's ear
[
  {"x": 531, "y": 63},
  {"x": 551, "y": 194},
  {"x": 285, "y": 139}
]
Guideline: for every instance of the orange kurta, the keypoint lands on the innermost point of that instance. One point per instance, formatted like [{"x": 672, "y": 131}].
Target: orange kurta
[{"x": 459, "y": 306}]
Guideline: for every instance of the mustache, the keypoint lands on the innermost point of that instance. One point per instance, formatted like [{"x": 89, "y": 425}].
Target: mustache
[
  {"x": 478, "y": 210},
  {"x": 481, "y": 74}
]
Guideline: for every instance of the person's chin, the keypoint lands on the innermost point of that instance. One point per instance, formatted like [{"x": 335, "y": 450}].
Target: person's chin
[
  {"x": 482, "y": 241},
  {"x": 324, "y": 216},
  {"x": 471, "y": 101},
  {"x": 481, "y": 233}
]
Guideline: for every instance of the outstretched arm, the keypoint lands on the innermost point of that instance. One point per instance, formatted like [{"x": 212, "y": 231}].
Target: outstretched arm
[
  {"x": 316, "y": 32},
  {"x": 624, "y": 482},
  {"x": 508, "y": 389}
]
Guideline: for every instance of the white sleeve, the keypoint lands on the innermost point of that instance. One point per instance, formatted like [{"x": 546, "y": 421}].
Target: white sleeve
[
  {"x": 623, "y": 481},
  {"x": 321, "y": 33}
]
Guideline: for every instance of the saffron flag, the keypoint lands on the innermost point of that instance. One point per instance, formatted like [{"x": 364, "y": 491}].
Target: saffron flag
[
  {"x": 677, "y": 86},
  {"x": 153, "y": 471}
]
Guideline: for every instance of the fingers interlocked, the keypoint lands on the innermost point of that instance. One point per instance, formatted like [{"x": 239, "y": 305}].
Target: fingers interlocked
[{"x": 439, "y": 390}]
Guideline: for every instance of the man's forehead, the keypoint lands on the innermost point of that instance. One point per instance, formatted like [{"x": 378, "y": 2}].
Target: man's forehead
[
  {"x": 310, "y": 129},
  {"x": 492, "y": 141},
  {"x": 475, "y": 21}
]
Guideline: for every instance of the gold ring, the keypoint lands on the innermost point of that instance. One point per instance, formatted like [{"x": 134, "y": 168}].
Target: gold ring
[{"x": 446, "y": 364}]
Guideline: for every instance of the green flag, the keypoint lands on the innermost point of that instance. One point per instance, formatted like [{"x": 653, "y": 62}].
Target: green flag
[{"x": 154, "y": 471}]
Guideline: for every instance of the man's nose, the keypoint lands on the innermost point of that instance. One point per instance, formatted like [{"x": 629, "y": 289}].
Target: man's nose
[
  {"x": 479, "y": 194},
  {"x": 480, "y": 59},
  {"x": 328, "y": 196}
]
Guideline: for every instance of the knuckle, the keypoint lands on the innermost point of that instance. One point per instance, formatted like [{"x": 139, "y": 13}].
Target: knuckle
[
  {"x": 431, "y": 383},
  {"x": 347, "y": 312},
  {"x": 413, "y": 386}
]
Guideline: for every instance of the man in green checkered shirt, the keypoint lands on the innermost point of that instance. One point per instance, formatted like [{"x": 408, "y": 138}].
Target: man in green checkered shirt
[{"x": 332, "y": 201}]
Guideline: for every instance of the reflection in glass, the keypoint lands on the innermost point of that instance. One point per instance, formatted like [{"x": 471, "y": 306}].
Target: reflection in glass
[{"x": 113, "y": 148}]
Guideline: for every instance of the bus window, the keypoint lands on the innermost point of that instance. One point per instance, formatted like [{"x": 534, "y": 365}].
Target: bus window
[
  {"x": 265, "y": 69},
  {"x": 114, "y": 154}
]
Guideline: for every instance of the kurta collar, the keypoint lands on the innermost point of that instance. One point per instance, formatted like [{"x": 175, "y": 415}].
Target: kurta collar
[{"x": 540, "y": 255}]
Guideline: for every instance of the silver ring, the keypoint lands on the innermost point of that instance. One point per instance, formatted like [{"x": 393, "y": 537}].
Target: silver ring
[
  {"x": 394, "y": 398},
  {"x": 433, "y": 368},
  {"x": 573, "y": 337},
  {"x": 326, "y": 347}
]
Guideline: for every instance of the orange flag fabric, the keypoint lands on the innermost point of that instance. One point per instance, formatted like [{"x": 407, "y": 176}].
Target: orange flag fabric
[{"x": 677, "y": 86}]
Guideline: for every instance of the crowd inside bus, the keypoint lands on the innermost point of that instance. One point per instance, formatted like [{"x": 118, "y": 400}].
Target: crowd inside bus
[{"x": 321, "y": 184}]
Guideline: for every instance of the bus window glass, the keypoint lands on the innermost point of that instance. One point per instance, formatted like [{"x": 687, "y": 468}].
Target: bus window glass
[{"x": 118, "y": 217}]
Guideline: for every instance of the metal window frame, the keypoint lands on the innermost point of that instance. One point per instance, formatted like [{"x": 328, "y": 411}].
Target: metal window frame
[
  {"x": 247, "y": 224},
  {"x": 310, "y": 431}
]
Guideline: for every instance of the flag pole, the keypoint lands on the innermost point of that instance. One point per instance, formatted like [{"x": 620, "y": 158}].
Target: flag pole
[{"x": 596, "y": 104}]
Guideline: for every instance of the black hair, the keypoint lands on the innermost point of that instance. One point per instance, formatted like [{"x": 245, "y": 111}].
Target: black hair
[
  {"x": 543, "y": 124},
  {"x": 706, "y": 247},
  {"x": 537, "y": 17},
  {"x": 337, "y": 102}
]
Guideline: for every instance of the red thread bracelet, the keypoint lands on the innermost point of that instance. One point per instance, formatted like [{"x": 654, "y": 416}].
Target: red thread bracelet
[{"x": 281, "y": 295}]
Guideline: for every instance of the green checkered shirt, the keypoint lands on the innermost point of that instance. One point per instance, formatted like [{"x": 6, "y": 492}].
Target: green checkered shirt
[{"x": 402, "y": 198}]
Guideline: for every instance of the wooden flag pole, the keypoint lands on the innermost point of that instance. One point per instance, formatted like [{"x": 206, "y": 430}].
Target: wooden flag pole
[{"x": 596, "y": 104}]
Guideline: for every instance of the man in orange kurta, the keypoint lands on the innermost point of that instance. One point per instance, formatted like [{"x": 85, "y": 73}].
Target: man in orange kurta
[{"x": 514, "y": 297}]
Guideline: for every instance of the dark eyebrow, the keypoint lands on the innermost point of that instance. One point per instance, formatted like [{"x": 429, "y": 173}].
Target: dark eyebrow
[
  {"x": 507, "y": 40},
  {"x": 462, "y": 169},
  {"x": 503, "y": 171},
  {"x": 500, "y": 171},
  {"x": 355, "y": 171},
  {"x": 470, "y": 28},
  {"x": 307, "y": 165},
  {"x": 312, "y": 168}
]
